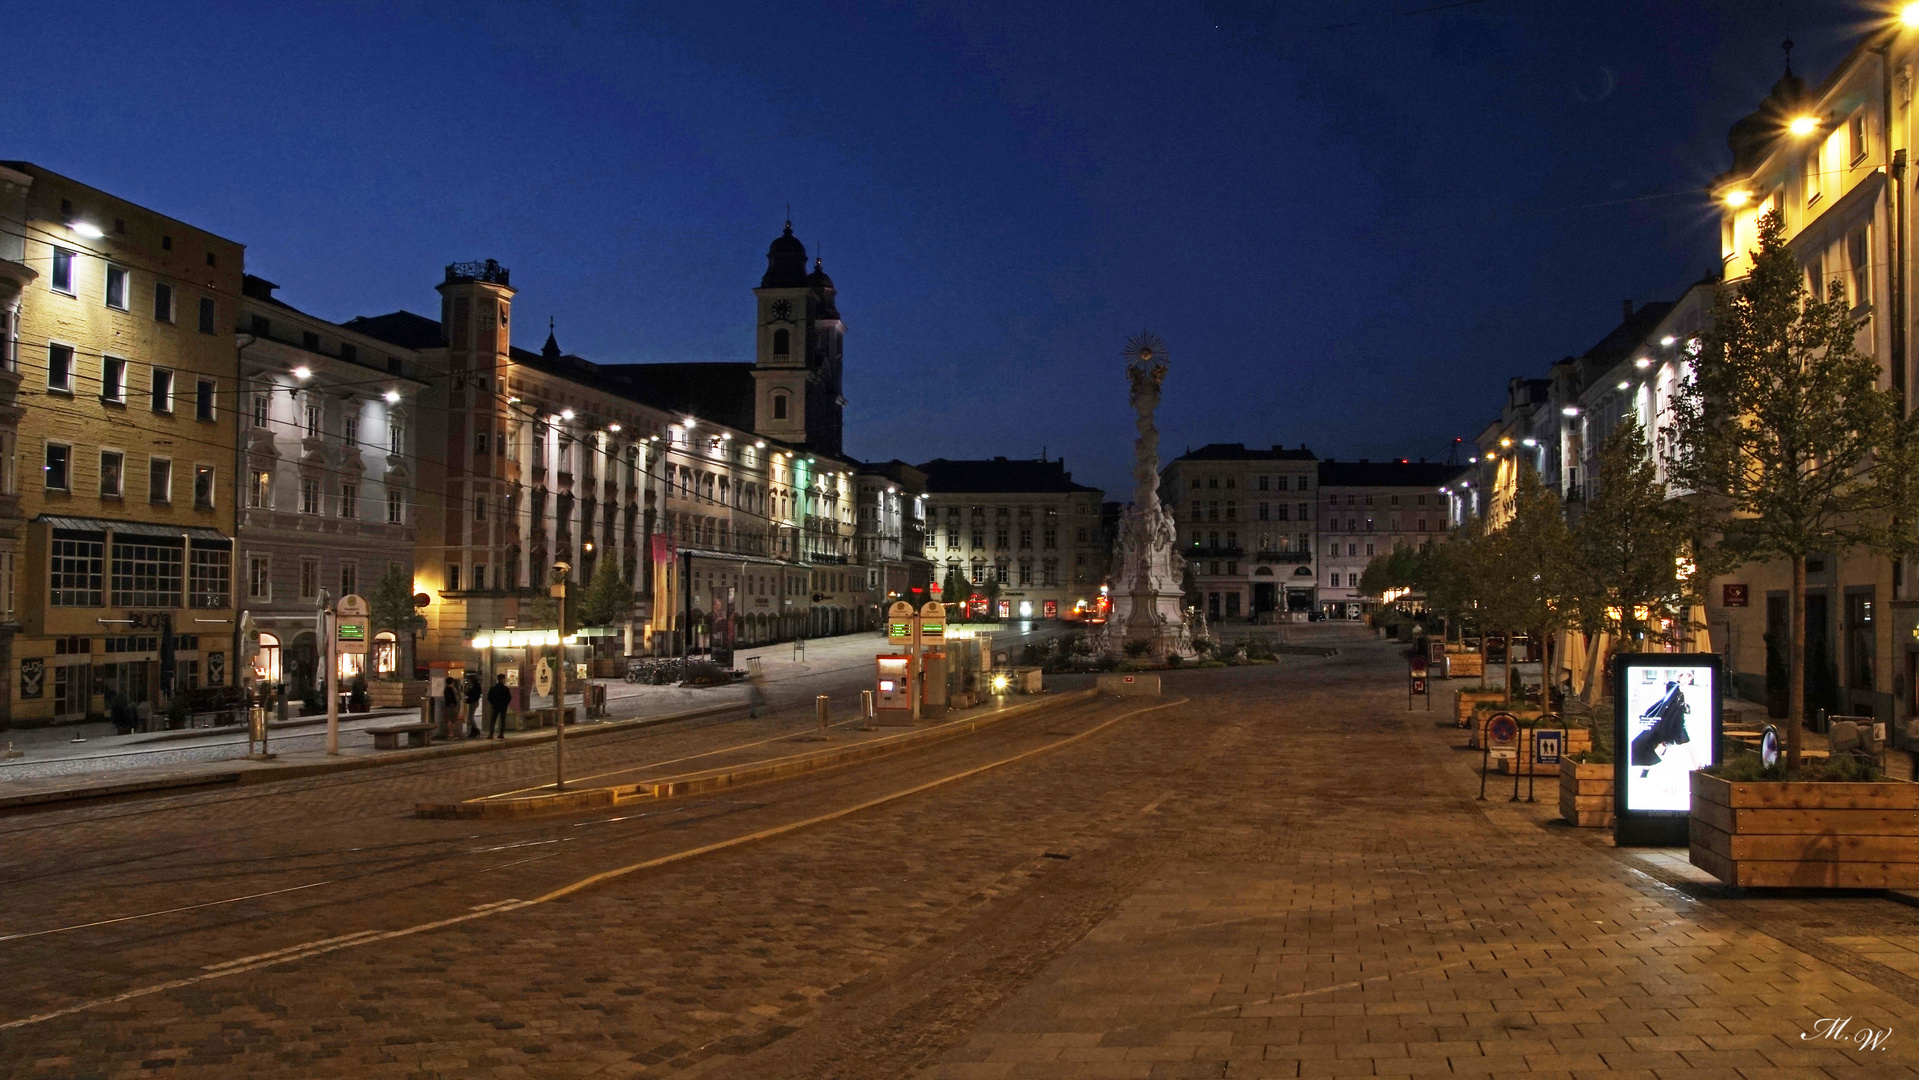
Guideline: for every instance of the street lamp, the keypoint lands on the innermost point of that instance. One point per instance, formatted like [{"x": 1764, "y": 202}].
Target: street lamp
[
  {"x": 1803, "y": 125},
  {"x": 1738, "y": 197},
  {"x": 1909, "y": 15}
]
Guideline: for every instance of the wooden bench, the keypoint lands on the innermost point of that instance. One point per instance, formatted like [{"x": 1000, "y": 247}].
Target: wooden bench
[{"x": 387, "y": 737}]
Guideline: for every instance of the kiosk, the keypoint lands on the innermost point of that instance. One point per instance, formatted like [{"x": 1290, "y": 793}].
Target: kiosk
[{"x": 892, "y": 695}]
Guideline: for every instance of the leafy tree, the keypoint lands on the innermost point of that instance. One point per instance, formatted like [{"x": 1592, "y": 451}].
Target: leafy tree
[
  {"x": 1786, "y": 438},
  {"x": 608, "y": 599},
  {"x": 990, "y": 590},
  {"x": 1522, "y": 569},
  {"x": 390, "y": 607},
  {"x": 955, "y": 590},
  {"x": 1635, "y": 545}
]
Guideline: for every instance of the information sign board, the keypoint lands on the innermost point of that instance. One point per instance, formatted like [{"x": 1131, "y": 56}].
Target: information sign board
[{"x": 1667, "y": 724}]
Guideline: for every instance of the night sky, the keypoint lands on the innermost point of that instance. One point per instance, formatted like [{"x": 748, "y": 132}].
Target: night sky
[{"x": 1349, "y": 235}]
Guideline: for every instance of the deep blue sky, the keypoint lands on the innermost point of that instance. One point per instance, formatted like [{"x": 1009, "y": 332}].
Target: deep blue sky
[{"x": 1349, "y": 237}]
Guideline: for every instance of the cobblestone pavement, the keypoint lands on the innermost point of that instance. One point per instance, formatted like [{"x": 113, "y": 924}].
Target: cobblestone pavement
[{"x": 1285, "y": 876}]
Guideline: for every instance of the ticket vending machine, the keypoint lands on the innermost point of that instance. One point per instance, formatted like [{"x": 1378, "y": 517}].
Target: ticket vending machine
[
  {"x": 892, "y": 700},
  {"x": 932, "y": 684}
]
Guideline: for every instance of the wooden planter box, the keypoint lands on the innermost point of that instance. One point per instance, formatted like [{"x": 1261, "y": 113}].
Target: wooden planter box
[
  {"x": 1842, "y": 836},
  {"x": 1464, "y": 700},
  {"x": 1585, "y": 793},
  {"x": 395, "y": 695}
]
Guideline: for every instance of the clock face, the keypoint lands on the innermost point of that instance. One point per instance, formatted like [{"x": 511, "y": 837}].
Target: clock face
[{"x": 782, "y": 310}]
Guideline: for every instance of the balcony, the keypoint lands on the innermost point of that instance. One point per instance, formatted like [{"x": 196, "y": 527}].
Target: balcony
[{"x": 1220, "y": 551}]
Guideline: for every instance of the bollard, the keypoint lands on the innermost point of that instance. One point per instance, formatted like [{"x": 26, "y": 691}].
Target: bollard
[
  {"x": 820, "y": 706},
  {"x": 866, "y": 710}
]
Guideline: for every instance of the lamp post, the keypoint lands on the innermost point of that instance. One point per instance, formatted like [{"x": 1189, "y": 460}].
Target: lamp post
[{"x": 558, "y": 591}]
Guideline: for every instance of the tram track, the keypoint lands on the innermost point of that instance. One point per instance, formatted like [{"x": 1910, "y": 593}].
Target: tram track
[{"x": 463, "y": 871}]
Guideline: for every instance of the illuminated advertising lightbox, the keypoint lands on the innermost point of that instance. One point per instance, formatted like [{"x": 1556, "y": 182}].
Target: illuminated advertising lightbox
[{"x": 1667, "y": 718}]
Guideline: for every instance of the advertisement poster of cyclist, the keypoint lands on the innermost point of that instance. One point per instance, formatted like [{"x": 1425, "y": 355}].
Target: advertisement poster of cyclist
[{"x": 1668, "y": 723}]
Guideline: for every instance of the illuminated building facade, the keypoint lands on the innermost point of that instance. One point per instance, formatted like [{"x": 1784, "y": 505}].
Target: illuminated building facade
[
  {"x": 1021, "y": 526},
  {"x": 1246, "y": 519}
]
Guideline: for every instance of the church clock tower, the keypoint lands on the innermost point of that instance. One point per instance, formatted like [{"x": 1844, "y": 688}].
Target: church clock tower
[{"x": 796, "y": 368}]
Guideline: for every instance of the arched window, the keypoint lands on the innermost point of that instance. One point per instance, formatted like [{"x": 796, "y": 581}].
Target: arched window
[
  {"x": 781, "y": 343},
  {"x": 779, "y": 403}
]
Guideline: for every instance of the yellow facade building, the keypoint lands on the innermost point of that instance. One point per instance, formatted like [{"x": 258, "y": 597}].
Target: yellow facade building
[{"x": 126, "y": 365}]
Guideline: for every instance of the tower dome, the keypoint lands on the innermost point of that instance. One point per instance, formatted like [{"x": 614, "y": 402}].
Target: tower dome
[
  {"x": 1753, "y": 133},
  {"x": 785, "y": 262},
  {"x": 824, "y": 286}
]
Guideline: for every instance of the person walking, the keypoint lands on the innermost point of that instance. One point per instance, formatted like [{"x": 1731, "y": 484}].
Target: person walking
[
  {"x": 499, "y": 697},
  {"x": 473, "y": 706},
  {"x": 450, "y": 704}
]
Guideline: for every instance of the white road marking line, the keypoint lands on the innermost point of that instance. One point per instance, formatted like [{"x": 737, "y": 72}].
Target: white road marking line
[
  {"x": 167, "y": 911},
  {"x": 369, "y": 937},
  {"x": 1154, "y": 805}
]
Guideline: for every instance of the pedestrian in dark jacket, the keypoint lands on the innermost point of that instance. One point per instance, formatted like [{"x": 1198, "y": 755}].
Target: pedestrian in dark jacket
[
  {"x": 473, "y": 706},
  {"x": 499, "y": 697},
  {"x": 450, "y": 701}
]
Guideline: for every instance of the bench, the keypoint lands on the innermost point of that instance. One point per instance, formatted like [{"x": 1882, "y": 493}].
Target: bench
[{"x": 387, "y": 737}]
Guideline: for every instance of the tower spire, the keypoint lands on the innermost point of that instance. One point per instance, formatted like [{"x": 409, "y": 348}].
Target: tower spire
[{"x": 551, "y": 350}]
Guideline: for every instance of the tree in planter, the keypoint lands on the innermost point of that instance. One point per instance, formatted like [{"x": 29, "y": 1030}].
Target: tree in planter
[
  {"x": 1523, "y": 571},
  {"x": 390, "y": 607},
  {"x": 1635, "y": 545},
  {"x": 1783, "y": 433}
]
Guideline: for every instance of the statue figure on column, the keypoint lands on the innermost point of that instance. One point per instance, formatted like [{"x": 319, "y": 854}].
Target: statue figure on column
[{"x": 1148, "y": 604}]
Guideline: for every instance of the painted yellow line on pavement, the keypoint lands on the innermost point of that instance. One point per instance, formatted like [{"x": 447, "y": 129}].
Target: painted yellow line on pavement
[{"x": 368, "y": 937}]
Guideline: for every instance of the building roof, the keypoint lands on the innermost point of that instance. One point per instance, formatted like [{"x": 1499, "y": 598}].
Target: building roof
[
  {"x": 1220, "y": 451},
  {"x": 719, "y": 393},
  {"x": 1412, "y": 474},
  {"x": 1621, "y": 340},
  {"x": 999, "y": 476},
  {"x": 402, "y": 328}
]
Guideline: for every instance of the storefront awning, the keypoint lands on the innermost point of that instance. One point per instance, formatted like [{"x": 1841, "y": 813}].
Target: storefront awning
[{"x": 200, "y": 536}]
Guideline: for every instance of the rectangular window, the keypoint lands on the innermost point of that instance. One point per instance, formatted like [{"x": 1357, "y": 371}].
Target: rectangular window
[
  {"x": 59, "y": 466},
  {"x": 60, "y": 368},
  {"x": 395, "y": 438},
  {"x": 479, "y": 508},
  {"x": 159, "y": 481},
  {"x": 1265, "y": 483},
  {"x": 206, "y": 315},
  {"x": 479, "y": 443},
  {"x": 259, "y": 577},
  {"x": 162, "y": 390},
  {"x": 1856, "y": 137},
  {"x": 260, "y": 490},
  {"x": 309, "y": 579},
  {"x": 393, "y": 507},
  {"x": 116, "y": 287},
  {"x": 479, "y": 575},
  {"x": 313, "y": 420},
  {"x": 61, "y": 280},
  {"x": 309, "y": 496},
  {"x": 1859, "y": 257},
  {"x": 112, "y": 474},
  {"x": 162, "y": 302},
  {"x": 350, "y": 430},
  {"x": 203, "y": 487},
  {"x": 1812, "y": 174},
  {"x": 349, "y": 500},
  {"x": 78, "y": 567},
  {"x": 209, "y": 578},
  {"x": 203, "y": 400},
  {"x": 113, "y": 379},
  {"x": 260, "y": 410},
  {"x": 349, "y": 578},
  {"x": 147, "y": 572},
  {"x": 453, "y": 577}
]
